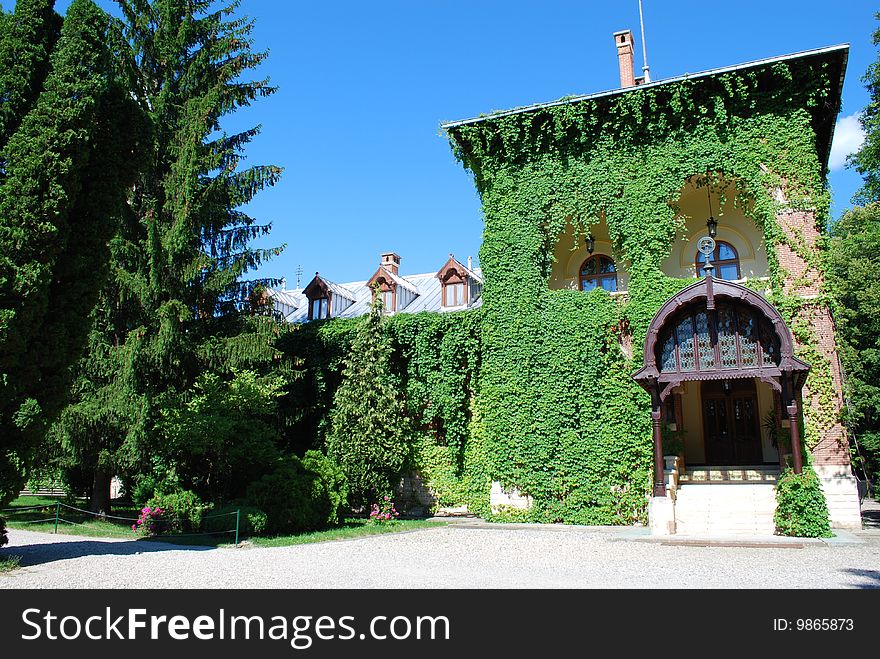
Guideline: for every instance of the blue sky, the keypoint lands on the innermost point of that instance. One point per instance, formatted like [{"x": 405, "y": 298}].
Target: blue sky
[{"x": 364, "y": 87}]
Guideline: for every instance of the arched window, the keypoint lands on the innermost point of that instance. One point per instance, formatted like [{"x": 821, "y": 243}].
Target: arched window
[
  {"x": 729, "y": 338},
  {"x": 726, "y": 262},
  {"x": 599, "y": 272}
]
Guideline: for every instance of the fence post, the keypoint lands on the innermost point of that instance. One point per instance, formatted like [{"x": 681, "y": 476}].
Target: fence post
[
  {"x": 237, "y": 519},
  {"x": 57, "y": 514}
]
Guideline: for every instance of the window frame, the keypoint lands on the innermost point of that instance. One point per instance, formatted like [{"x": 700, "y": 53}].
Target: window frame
[
  {"x": 700, "y": 261},
  {"x": 599, "y": 276}
]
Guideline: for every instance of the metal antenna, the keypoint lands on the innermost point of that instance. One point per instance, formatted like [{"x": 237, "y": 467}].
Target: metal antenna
[
  {"x": 646, "y": 68},
  {"x": 299, "y": 275}
]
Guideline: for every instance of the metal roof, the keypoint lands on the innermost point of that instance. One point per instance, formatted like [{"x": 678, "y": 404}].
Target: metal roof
[{"x": 426, "y": 287}]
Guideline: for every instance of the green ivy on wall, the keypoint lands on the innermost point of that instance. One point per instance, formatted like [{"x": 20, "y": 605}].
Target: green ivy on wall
[
  {"x": 561, "y": 419},
  {"x": 534, "y": 390}
]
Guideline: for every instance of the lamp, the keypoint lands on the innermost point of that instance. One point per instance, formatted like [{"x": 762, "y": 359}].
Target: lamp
[
  {"x": 712, "y": 223},
  {"x": 727, "y": 386},
  {"x": 591, "y": 243}
]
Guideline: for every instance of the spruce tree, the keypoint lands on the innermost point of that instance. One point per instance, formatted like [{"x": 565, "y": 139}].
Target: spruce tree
[
  {"x": 66, "y": 170},
  {"x": 368, "y": 434},
  {"x": 177, "y": 303}
]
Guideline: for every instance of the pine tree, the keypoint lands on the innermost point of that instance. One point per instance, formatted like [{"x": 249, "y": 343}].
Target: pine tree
[
  {"x": 66, "y": 170},
  {"x": 27, "y": 39},
  {"x": 368, "y": 434},
  {"x": 177, "y": 303}
]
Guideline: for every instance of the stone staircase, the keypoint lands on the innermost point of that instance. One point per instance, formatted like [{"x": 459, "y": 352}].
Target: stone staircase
[{"x": 726, "y": 501}]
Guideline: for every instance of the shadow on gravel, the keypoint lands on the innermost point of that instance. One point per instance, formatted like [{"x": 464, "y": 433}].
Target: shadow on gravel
[
  {"x": 872, "y": 578},
  {"x": 40, "y": 554}
]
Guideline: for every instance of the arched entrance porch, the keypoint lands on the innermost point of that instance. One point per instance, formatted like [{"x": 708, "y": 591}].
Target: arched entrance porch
[{"x": 727, "y": 343}]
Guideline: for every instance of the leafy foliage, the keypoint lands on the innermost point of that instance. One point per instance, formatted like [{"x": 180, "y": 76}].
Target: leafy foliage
[
  {"x": 867, "y": 160},
  {"x": 223, "y": 437},
  {"x": 559, "y": 416},
  {"x": 177, "y": 304},
  {"x": 853, "y": 264},
  {"x": 182, "y": 511},
  {"x": 801, "y": 509},
  {"x": 68, "y": 160},
  {"x": 3, "y": 539},
  {"x": 300, "y": 495},
  {"x": 369, "y": 435}
]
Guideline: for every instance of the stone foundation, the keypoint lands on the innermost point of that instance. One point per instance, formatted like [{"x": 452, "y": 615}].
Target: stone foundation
[
  {"x": 842, "y": 494},
  {"x": 501, "y": 497}
]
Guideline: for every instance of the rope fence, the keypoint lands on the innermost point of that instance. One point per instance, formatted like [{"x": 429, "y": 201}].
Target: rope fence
[{"x": 58, "y": 519}]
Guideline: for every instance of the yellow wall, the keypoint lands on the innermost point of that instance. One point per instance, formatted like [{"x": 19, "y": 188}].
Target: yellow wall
[
  {"x": 733, "y": 227},
  {"x": 570, "y": 255}
]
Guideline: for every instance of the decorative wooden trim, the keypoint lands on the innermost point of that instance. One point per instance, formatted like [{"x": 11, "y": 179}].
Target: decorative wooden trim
[{"x": 697, "y": 294}]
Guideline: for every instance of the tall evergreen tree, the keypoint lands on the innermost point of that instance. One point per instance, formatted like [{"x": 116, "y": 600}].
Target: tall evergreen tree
[
  {"x": 176, "y": 305},
  {"x": 66, "y": 170},
  {"x": 854, "y": 256},
  {"x": 27, "y": 39},
  {"x": 368, "y": 434}
]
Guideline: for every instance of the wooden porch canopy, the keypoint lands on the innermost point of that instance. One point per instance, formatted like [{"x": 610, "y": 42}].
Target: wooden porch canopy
[{"x": 718, "y": 330}]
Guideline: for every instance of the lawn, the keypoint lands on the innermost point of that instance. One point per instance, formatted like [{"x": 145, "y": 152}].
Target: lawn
[{"x": 32, "y": 513}]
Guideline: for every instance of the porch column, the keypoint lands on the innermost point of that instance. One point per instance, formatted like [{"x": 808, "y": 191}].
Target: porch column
[
  {"x": 659, "y": 475},
  {"x": 796, "y": 455}
]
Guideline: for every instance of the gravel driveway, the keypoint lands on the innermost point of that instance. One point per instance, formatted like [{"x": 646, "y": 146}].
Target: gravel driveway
[{"x": 457, "y": 556}]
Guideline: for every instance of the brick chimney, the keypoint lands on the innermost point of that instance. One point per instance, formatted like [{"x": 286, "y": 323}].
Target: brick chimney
[
  {"x": 624, "y": 41},
  {"x": 391, "y": 262}
]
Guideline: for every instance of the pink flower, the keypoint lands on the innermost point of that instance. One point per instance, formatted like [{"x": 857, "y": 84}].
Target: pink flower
[{"x": 134, "y": 527}]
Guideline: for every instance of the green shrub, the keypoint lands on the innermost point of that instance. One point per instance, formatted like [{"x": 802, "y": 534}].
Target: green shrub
[
  {"x": 300, "y": 495},
  {"x": 331, "y": 488},
  {"x": 3, "y": 538},
  {"x": 801, "y": 509},
  {"x": 182, "y": 511},
  {"x": 252, "y": 521}
]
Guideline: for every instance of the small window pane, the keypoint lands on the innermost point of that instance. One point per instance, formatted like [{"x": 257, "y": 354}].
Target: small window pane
[
  {"x": 728, "y": 272},
  {"x": 748, "y": 344},
  {"x": 726, "y": 252},
  {"x": 704, "y": 342},
  {"x": 667, "y": 356},
  {"x": 454, "y": 295},
  {"x": 685, "y": 334}
]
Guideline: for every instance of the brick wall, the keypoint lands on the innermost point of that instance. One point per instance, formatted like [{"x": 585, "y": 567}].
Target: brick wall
[{"x": 803, "y": 279}]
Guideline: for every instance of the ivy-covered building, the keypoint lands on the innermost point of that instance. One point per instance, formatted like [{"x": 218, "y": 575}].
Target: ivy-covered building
[
  {"x": 654, "y": 286},
  {"x": 595, "y": 370}
]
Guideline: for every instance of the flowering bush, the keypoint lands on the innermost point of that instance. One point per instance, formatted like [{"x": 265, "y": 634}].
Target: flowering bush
[
  {"x": 384, "y": 512},
  {"x": 148, "y": 521}
]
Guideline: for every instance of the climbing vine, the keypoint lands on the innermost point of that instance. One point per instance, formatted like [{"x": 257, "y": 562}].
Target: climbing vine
[
  {"x": 561, "y": 419},
  {"x": 534, "y": 390}
]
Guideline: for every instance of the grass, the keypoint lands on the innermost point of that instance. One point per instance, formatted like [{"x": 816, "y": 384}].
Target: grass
[
  {"x": 82, "y": 524},
  {"x": 351, "y": 529},
  {"x": 9, "y": 563}
]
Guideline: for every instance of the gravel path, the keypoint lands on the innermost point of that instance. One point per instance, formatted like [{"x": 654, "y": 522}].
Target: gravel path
[{"x": 448, "y": 557}]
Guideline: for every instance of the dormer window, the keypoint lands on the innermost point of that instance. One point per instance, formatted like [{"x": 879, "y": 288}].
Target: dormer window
[
  {"x": 454, "y": 294},
  {"x": 460, "y": 285},
  {"x": 325, "y": 298},
  {"x": 320, "y": 309},
  {"x": 388, "y": 300}
]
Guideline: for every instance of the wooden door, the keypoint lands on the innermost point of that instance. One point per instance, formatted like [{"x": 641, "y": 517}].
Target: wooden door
[{"x": 731, "y": 426}]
